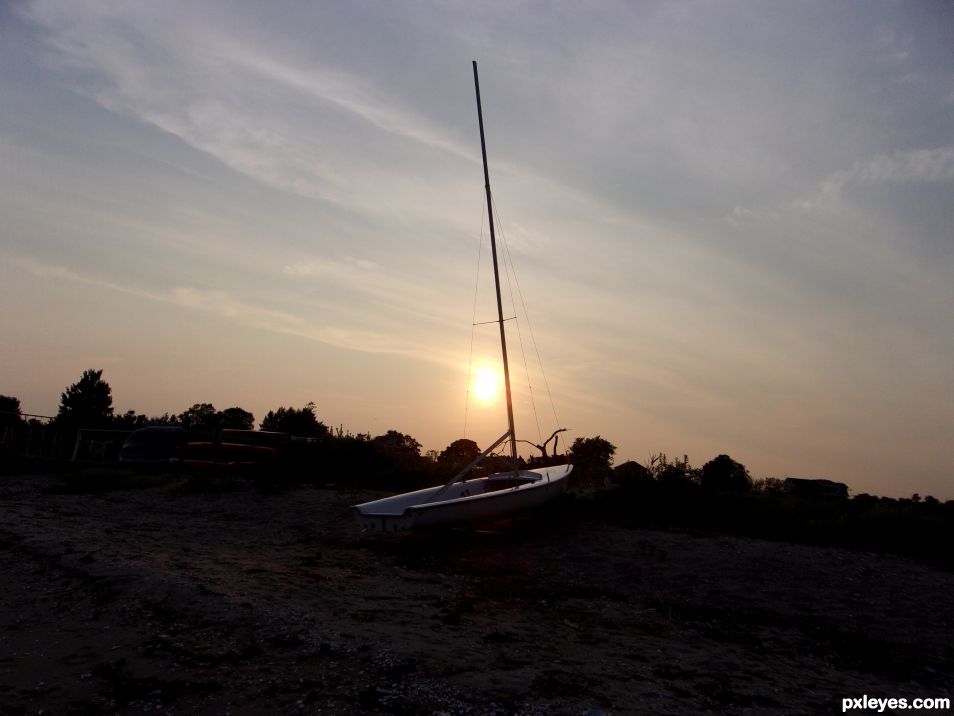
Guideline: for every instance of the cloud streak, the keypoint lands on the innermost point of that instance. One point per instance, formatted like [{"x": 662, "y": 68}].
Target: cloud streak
[
  {"x": 294, "y": 127},
  {"x": 224, "y": 305}
]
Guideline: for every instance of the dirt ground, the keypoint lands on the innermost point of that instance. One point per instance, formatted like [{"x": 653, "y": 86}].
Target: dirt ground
[{"x": 165, "y": 601}]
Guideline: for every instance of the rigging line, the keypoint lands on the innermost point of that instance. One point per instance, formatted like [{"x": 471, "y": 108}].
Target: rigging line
[
  {"x": 536, "y": 348},
  {"x": 511, "y": 271},
  {"x": 533, "y": 339},
  {"x": 473, "y": 326}
]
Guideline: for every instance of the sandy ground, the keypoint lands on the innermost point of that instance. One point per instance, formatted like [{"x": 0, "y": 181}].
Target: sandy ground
[{"x": 156, "y": 601}]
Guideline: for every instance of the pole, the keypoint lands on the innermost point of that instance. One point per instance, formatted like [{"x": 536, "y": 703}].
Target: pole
[{"x": 493, "y": 251}]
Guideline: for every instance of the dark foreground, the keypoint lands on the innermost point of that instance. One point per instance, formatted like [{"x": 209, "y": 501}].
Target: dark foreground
[{"x": 167, "y": 601}]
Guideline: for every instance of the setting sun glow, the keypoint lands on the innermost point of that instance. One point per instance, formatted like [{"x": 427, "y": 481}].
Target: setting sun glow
[{"x": 486, "y": 385}]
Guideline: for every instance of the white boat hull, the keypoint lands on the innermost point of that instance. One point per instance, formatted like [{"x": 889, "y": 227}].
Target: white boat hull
[{"x": 483, "y": 499}]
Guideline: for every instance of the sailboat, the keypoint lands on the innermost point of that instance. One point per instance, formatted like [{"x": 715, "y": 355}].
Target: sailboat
[{"x": 464, "y": 500}]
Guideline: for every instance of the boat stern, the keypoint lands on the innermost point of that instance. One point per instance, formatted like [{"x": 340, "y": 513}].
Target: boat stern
[{"x": 379, "y": 523}]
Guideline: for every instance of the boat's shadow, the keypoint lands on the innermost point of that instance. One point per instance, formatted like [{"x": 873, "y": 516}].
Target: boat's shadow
[{"x": 434, "y": 547}]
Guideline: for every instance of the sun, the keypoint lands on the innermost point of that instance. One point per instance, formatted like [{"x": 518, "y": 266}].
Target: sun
[{"x": 486, "y": 385}]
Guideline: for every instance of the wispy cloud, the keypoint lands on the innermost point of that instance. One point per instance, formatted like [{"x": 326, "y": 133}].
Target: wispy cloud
[
  {"x": 309, "y": 268},
  {"x": 298, "y": 127},
  {"x": 41, "y": 270},
  {"x": 232, "y": 309},
  {"x": 914, "y": 166},
  {"x": 911, "y": 167},
  {"x": 351, "y": 94}
]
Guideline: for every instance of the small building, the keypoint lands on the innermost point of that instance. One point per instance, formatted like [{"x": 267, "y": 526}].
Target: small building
[
  {"x": 631, "y": 473},
  {"x": 816, "y": 489}
]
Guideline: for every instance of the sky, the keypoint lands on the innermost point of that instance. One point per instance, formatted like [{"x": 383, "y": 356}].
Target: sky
[{"x": 727, "y": 225}]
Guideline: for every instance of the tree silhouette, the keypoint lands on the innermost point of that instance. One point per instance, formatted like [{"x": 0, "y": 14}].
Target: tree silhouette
[
  {"x": 87, "y": 403},
  {"x": 769, "y": 485},
  {"x": 677, "y": 472},
  {"x": 591, "y": 458},
  {"x": 554, "y": 436},
  {"x": 200, "y": 416},
  {"x": 130, "y": 420},
  {"x": 10, "y": 413},
  {"x": 237, "y": 419},
  {"x": 724, "y": 473},
  {"x": 301, "y": 422},
  {"x": 398, "y": 442},
  {"x": 458, "y": 454}
]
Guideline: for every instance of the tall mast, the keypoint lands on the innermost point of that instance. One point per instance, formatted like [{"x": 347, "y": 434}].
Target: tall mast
[{"x": 493, "y": 250}]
